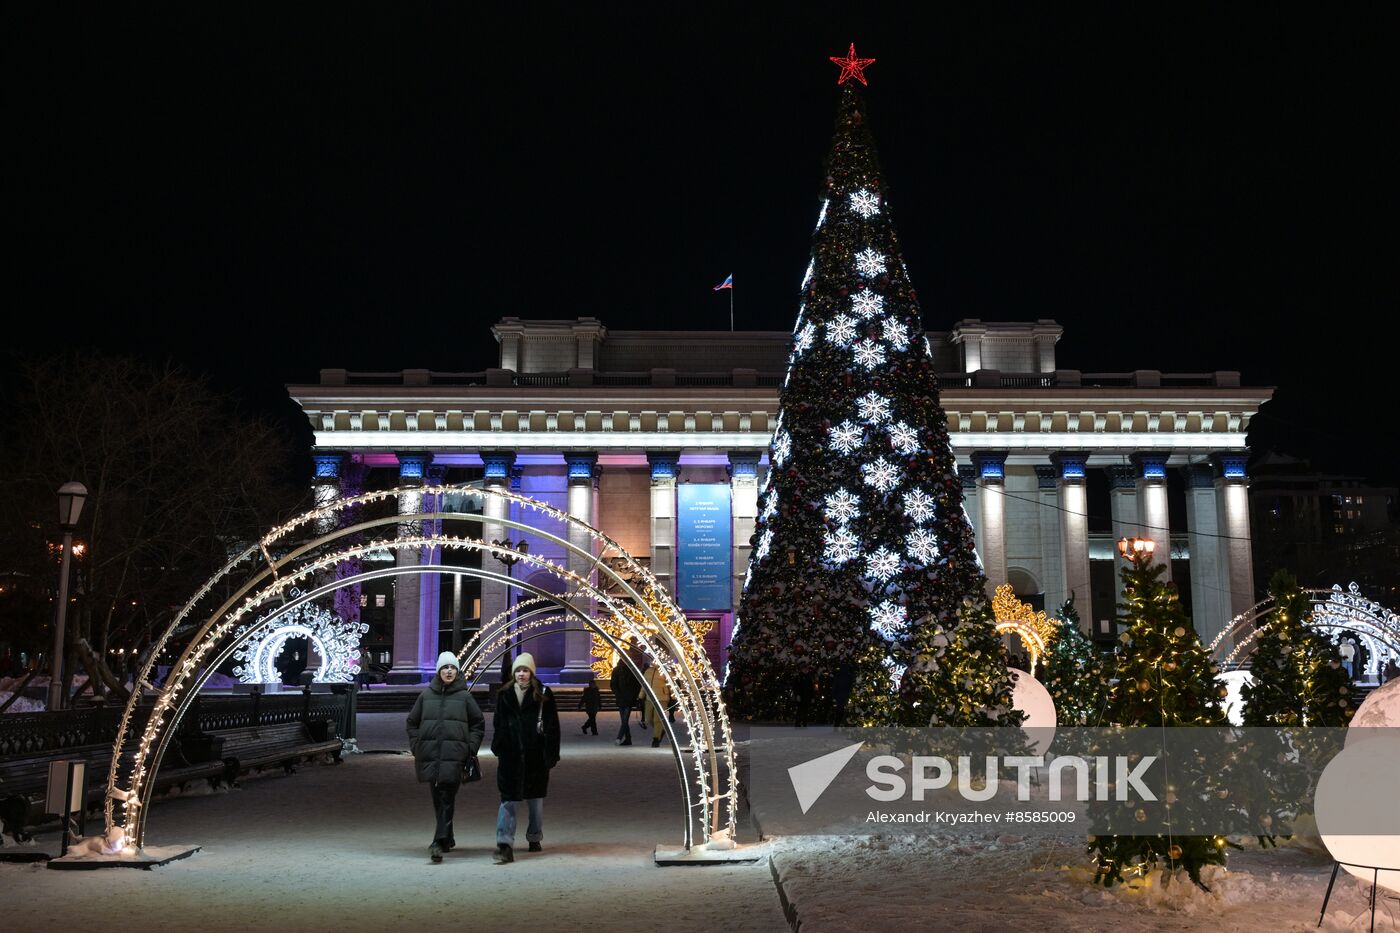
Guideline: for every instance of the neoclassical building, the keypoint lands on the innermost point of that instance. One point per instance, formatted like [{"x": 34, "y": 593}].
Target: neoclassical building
[{"x": 659, "y": 438}]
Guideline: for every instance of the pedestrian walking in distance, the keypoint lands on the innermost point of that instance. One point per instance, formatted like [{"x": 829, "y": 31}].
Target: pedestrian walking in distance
[
  {"x": 656, "y": 714},
  {"x": 525, "y": 741},
  {"x": 591, "y": 702},
  {"x": 445, "y": 730},
  {"x": 625, "y": 688}
]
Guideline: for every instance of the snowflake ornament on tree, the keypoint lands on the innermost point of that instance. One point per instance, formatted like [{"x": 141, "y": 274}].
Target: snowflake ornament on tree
[
  {"x": 770, "y": 508},
  {"x": 882, "y": 564},
  {"x": 904, "y": 437},
  {"x": 765, "y": 544},
  {"x": 846, "y": 437},
  {"x": 865, "y": 304},
  {"x": 806, "y": 336},
  {"x": 896, "y": 333},
  {"x": 922, "y": 546},
  {"x": 865, "y": 202},
  {"x": 841, "y": 330},
  {"x": 870, "y": 263},
  {"x": 841, "y": 545},
  {"x": 888, "y": 619},
  {"x": 881, "y": 474},
  {"x": 782, "y": 447},
  {"x": 874, "y": 408},
  {"x": 869, "y": 353},
  {"x": 843, "y": 506},
  {"x": 918, "y": 505}
]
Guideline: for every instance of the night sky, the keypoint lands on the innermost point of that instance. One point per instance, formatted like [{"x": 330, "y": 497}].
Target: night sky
[{"x": 257, "y": 194}]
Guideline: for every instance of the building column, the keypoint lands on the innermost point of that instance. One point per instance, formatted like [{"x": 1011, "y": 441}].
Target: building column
[
  {"x": 1151, "y": 487},
  {"x": 352, "y": 482},
  {"x": 1232, "y": 520},
  {"x": 663, "y": 519},
  {"x": 407, "y": 667},
  {"x": 991, "y": 501},
  {"x": 1073, "y": 501},
  {"x": 1052, "y": 575},
  {"x": 496, "y": 474},
  {"x": 430, "y": 584},
  {"x": 578, "y": 646},
  {"x": 1123, "y": 507},
  {"x": 743, "y": 517},
  {"x": 1210, "y": 596},
  {"x": 325, "y": 487}
]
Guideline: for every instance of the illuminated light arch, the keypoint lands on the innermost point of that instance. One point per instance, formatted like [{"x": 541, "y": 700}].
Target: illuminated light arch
[
  {"x": 1035, "y": 629},
  {"x": 335, "y": 640},
  {"x": 284, "y": 569},
  {"x": 1334, "y": 612}
]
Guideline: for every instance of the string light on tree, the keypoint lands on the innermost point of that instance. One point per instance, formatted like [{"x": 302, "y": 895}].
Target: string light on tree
[
  {"x": 821, "y": 218},
  {"x": 770, "y": 508},
  {"x": 852, "y": 67}
]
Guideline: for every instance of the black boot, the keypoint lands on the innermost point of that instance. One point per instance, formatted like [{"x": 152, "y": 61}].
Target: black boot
[
  {"x": 503, "y": 855},
  {"x": 536, "y": 847},
  {"x": 435, "y": 852}
]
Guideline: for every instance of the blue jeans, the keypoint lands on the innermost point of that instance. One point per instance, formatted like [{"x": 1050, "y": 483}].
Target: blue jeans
[{"x": 505, "y": 821}]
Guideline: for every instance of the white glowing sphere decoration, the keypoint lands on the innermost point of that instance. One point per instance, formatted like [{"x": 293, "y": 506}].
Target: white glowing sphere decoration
[
  {"x": 1030, "y": 697},
  {"x": 1378, "y": 711},
  {"x": 1356, "y": 801},
  {"x": 1234, "y": 683}
]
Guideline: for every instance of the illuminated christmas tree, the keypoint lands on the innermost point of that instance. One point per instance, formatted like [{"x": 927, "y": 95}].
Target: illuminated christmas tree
[
  {"x": 1298, "y": 675},
  {"x": 1164, "y": 678},
  {"x": 1073, "y": 672},
  {"x": 863, "y": 555}
]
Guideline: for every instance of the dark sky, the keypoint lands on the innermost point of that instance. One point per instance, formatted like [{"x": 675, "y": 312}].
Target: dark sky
[{"x": 260, "y": 192}]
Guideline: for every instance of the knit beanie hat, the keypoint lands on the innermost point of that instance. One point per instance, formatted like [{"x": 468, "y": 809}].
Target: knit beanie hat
[
  {"x": 525, "y": 660},
  {"x": 448, "y": 659}
]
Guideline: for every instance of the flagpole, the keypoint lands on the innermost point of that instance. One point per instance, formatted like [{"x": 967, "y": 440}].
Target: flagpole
[{"x": 731, "y": 307}]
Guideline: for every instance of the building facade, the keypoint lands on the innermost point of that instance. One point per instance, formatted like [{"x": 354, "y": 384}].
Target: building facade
[{"x": 659, "y": 439}]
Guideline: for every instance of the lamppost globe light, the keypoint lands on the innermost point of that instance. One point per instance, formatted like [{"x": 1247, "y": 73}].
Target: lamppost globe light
[
  {"x": 1136, "y": 549},
  {"x": 71, "y": 496}
]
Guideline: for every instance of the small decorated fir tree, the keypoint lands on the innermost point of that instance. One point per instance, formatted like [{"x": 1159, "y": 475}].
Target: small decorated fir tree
[
  {"x": 1164, "y": 678},
  {"x": 1073, "y": 671},
  {"x": 1298, "y": 675}
]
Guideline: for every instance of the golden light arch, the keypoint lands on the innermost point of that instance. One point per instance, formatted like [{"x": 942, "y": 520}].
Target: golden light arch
[{"x": 285, "y": 568}]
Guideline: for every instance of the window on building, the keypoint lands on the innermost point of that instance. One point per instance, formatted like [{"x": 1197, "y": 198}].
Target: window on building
[
  {"x": 364, "y": 600},
  {"x": 379, "y": 600}
]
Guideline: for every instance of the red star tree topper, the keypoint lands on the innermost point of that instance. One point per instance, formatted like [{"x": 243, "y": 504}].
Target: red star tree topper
[{"x": 852, "y": 67}]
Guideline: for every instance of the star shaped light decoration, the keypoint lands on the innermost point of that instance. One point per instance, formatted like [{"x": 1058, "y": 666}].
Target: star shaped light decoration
[{"x": 852, "y": 67}]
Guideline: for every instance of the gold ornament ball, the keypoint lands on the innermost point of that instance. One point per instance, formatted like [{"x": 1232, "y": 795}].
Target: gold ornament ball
[
  {"x": 1179, "y": 632},
  {"x": 1144, "y": 686},
  {"x": 1174, "y": 852},
  {"x": 1170, "y": 665}
]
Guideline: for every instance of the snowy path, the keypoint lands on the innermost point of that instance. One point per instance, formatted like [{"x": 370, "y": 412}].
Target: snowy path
[{"x": 345, "y": 848}]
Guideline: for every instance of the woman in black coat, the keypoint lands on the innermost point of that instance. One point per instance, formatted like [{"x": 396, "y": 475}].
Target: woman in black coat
[
  {"x": 525, "y": 741},
  {"x": 445, "y": 729}
]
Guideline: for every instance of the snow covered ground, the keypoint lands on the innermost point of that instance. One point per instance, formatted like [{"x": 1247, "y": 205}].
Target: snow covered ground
[
  {"x": 345, "y": 848},
  {"x": 989, "y": 882}
]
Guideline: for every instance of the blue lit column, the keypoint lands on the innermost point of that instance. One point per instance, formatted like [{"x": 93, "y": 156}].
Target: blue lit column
[
  {"x": 1151, "y": 487},
  {"x": 991, "y": 501},
  {"x": 1232, "y": 520},
  {"x": 325, "y": 487},
  {"x": 743, "y": 516},
  {"x": 1123, "y": 509},
  {"x": 352, "y": 483},
  {"x": 1210, "y": 591},
  {"x": 1073, "y": 502},
  {"x": 430, "y": 584},
  {"x": 496, "y": 473},
  {"x": 578, "y": 647},
  {"x": 407, "y": 667}
]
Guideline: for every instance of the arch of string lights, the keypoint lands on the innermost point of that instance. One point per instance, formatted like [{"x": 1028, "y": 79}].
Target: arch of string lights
[
  {"x": 284, "y": 567},
  {"x": 1334, "y": 612},
  {"x": 335, "y": 640}
]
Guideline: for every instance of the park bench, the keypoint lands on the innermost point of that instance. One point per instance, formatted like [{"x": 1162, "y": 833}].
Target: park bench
[{"x": 255, "y": 748}]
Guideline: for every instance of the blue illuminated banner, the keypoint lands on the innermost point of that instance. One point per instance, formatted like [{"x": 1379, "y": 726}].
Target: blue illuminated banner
[{"x": 703, "y": 547}]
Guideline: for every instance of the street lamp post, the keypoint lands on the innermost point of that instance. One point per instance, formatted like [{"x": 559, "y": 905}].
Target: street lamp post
[
  {"x": 1136, "y": 550},
  {"x": 521, "y": 548},
  {"x": 70, "y": 506}
]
